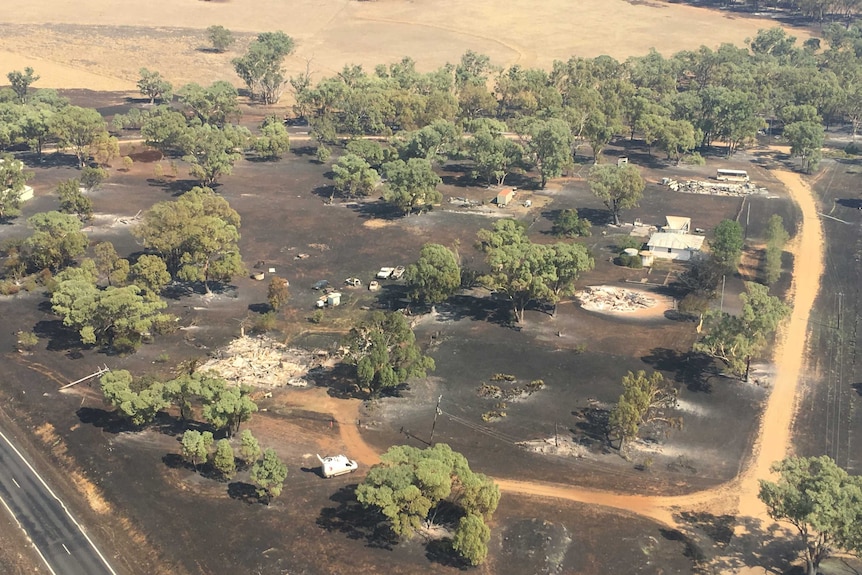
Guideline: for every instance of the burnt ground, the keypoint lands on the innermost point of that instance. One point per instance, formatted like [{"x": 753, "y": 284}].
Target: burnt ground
[
  {"x": 830, "y": 420},
  {"x": 285, "y": 213}
]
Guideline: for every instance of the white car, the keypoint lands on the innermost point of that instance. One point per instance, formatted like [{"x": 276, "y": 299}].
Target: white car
[
  {"x": 335, "y": 465},
  {"x": 384, "y": 273},
  {"x": 397, "y": 273}
]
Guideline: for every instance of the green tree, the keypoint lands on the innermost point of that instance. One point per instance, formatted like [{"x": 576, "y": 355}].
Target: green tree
[
  {"x": 471, "y": 539},
  {"x": 411, "y": 185},
  {"x": 77, "y": 128},
  {"x": 261, "y": 66},
  {"x": 269, "y": 474},
  {"x": 726, "y": 245},
  {"x": 383, "y": 348},
  {"x": 568, "y": 224},
  {"x": 106, "y": 317},
  {"x": 73, "y": 201},
  {"x": 370, "y": 151},
  {"x": 212, "y": 151},
  {"x": 223, "y": 460},
  {"x": 249, "y": 447},
  {"x": 220, "y": 37},
  {"x": 822, "y": 501},
  {"x": 35, "y": 127},
  {"x": 527, "y": 272},
  {"x": 153, "y": 86},
  {"x": 182, "y": 390},
  {"x": 734, "y": 340},
  {"x": 409, "y": 483},
  {"x": 227, "y": 407},
  {"x": 216, "y": 104},
  {"x": 20, "y": 82},
  {"x": 109, "y": 264},
  {"x": 140, "y": 407},
  {"x": 13, "y": 178},
  {"x": 435, "y": 276},
  {"x": 91, "y": 178},
  {"x": 277, "y": 292},
  {"x": 164, "y": 129},
  {"x": 618, "y": 187},
  {"x": 195, "y": 235},
  {"x": 644, "y": 400},
  {"x": 273, "y": 141},
  {"x": 196, "y": 446},
  {"x": 434, "y": 142},
  {"x": 549, "y": 146},
  {"x": 56, "y": 240},
  {"x": 806, "y": 140},
  {"x": 150, "y": 274},
  {"x": 776, "y": 238},
  {"x": 493, "y": 154},
  {"x": 104, "y": 148},
  {"x": 353, "y": 176}
]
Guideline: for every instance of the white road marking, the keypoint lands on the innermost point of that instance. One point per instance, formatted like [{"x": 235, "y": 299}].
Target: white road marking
[
  {"x": 16, "y": 483},
  {"x": 66, "y": 548},
  {"x": 63, "y": 505}
]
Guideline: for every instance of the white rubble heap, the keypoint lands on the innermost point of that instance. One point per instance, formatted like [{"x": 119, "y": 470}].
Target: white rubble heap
[
  {"x": 713, "y": 188},
  {"x": 608, "y": 298},
  {"x": 263, "y": 362}
]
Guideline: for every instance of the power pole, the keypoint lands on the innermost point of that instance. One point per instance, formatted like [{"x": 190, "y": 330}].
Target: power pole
[
  {"x": 721, "y": 305},
  {"x": 437, "y": 412}
]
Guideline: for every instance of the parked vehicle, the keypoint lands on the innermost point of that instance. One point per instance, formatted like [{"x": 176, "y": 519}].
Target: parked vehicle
[
  {"x": 374, "y": 285},
  {"x": 319, "y": 285},
  {"x": 353, "y": 282},
  {"x": 385, "y": 273},
  {"x": 397, "y": 273},
  {"x": 335, "y": 465}
]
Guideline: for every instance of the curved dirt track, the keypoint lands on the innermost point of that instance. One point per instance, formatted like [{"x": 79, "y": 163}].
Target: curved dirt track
[{"x": 773, "y": 441}]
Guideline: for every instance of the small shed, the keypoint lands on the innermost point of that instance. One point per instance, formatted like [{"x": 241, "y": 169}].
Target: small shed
[
  {"x": 677, "y": 225},
  {"x": 333, "y": 299},
  {"x": 675, "y": 246},
  {"x": 505, "y": 196}
]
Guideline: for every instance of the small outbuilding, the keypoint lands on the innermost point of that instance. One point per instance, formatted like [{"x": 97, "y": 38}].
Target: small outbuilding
[
  {"x": 677, "y": 225},
  {"x": 333, "y": 299},
  {"x": 505, "y": 196},
  {"x": 675, "y": 246}
]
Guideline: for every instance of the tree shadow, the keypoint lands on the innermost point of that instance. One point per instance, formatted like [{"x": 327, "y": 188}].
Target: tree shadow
[
  {"x": 467, "y": 306},
  {"x": 60, "y": 337},
  {"x": 349, "y": 517},
  {"x": 176, "y": 187},
  {"x": 440, "y": 551},
  {"x": 109, "y": 421},
  {"x": 304, "y": 150},
  {"x": 857, "y": 387},
  {"x": 376, "y": 209},
  {"x": 592, "y": 428},
  {"x": 259, "y": 308},
  {"x": 727, "y": 543},
  {"x": 242, "y": 491},
  {"x": 850, "y": 203},
  {"x": 695, "y": 370},
  {"x": 339, "y": 381},
  {"x": 597, "y": 217}
]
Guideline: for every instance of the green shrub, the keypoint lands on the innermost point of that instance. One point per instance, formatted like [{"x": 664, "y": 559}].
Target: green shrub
[
  {"x": 264, "y": 322},
  {"x": 27, "y": 340},
  {"x": 9, "y": 288},
  {"x": 694, "y": 159},
  {"x": 126, "y": 345},
  {"x": 627, "y": 242},
  {"x": 316, "y": 316},
  {"x": 628, "y": 261}
]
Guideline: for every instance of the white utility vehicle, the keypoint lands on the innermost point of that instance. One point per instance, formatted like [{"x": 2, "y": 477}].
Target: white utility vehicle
[{"x": 335, "y": 465}]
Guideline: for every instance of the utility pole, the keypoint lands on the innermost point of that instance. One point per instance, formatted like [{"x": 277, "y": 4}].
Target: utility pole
[
  {"x": 747, "y": 218},
  {"x": 556, "y": 436},
  {"x": 721, "y": 305},
  {"x": 437, "y": 412}
]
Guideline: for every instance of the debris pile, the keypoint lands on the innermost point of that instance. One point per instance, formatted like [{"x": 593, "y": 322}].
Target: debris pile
[
  {"x": 713, "y": 188},
  {"x": 561, "y": 446},
  {"x": 263, "y": 362},
  {"x": 608, "y": 298}
]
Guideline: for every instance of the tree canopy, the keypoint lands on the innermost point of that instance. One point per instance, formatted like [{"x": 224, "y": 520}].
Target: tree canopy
[
  {"x": 409, "y": 483},
  {"x": 383, "y": 348},
  {"x": 618, "y": 187},
  {"x": 435, "y": 276},
  {"x": 822, "y": 501}
]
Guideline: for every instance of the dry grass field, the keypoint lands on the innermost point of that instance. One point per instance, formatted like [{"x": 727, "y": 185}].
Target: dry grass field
[{"x": 101, "y": 44}]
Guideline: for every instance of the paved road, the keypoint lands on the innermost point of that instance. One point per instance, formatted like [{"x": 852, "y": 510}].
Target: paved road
[{"x": 59, "y": 540}]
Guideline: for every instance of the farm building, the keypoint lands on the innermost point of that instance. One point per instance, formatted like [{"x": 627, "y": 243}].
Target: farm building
[
  {"x": 676, "y": 225},
  {"x": 505, "y": 196},
  {"x": 675, "y": 246}
]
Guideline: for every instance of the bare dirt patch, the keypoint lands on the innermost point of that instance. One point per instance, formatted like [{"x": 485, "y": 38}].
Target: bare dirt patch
[{"x": 98, "y": 44}]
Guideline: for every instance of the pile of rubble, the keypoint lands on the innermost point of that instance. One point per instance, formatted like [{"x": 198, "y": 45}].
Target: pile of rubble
[
  {"x": 263, "y": 362},
  {"x": 713, "y": 188},
  {"x": 607, "y": 298},
  {"x": 562, "y": 446}
]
